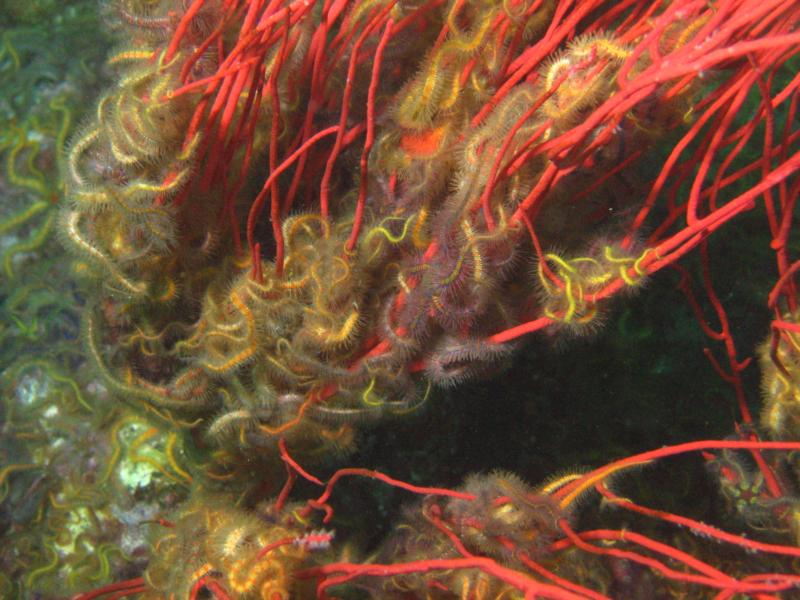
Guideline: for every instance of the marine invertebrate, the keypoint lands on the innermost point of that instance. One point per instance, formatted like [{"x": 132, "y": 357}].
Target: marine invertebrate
[{"x": 295, "y": 218}]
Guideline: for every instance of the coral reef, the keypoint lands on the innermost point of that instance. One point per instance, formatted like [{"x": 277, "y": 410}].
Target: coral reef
[{"x": 293, "y": 227}]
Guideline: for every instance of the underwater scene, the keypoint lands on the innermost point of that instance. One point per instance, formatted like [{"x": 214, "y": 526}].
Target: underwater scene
[{"x": 402, "y": 299}]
